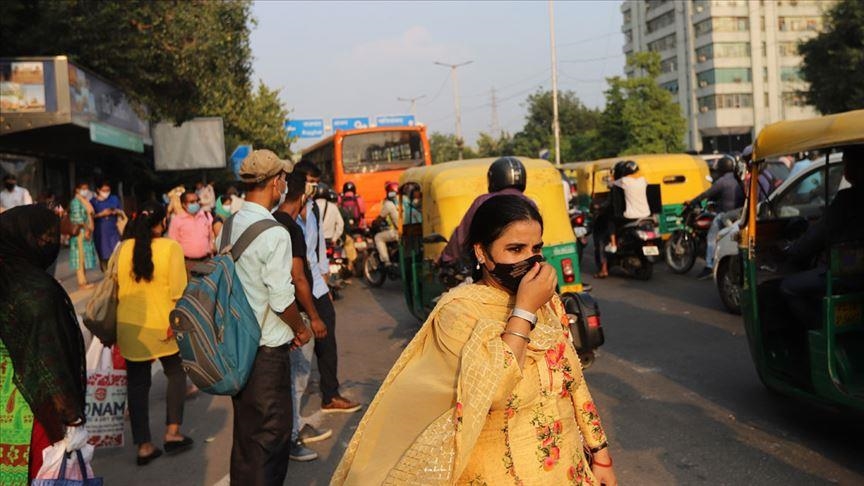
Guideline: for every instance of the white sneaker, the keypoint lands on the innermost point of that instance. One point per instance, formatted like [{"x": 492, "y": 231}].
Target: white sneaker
[{"x": 610, "y": 249}]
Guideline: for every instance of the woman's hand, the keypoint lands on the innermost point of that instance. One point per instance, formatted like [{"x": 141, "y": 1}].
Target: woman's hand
[
  {"x": 537, "y": 287},
  {"x": 604, "y": 474}
]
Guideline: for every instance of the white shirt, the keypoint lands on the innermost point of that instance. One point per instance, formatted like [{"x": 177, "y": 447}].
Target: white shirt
[
  {"x": 635, "y": 197},
  {"x": 331, "y": 219},
  {"x": 18, "y": 196},
  {"x": 318, "y": 262},
  {"x": 264, "y": 269},
  {"x": 391, "y": 212}
]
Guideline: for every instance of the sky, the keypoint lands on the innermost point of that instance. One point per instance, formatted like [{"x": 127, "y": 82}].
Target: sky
[{"x": 335, "y": 59}]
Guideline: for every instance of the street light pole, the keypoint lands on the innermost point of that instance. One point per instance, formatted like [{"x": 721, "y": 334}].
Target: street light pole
[
  {"x": 455, "y": 80},
  {"x": 413, "y": 102},
  {"x": 556, "y": 129}
]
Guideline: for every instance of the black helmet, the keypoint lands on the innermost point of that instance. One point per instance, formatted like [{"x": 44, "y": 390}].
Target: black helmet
[
  {"x": 624, "y": 168},
  {"x": 725, "y": 164},
  {"x": 321, "y": 190},
  {"x": 349, "y": 187},
  {"x": 506, "y": 172},
  {"x": 332, "y": 196}
]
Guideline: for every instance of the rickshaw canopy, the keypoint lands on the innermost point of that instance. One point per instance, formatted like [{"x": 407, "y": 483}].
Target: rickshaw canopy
[{"x": 789, "y": 137}]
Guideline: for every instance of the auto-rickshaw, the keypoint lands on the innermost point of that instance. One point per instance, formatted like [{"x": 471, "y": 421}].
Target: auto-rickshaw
[
  {"x": 819, "y": 360},
  {"x": 681, "y": 177},
  {"x": 448, "y": 190}
]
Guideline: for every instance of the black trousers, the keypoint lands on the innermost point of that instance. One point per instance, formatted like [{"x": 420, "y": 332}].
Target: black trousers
[
  {"x": 325, "y": 349},
  {"x": 138, "y": 388},
  {"x": 262, "y": 421}
]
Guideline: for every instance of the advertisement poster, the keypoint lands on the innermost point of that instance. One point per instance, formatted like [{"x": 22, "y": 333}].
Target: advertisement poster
[
  {"x": 94, "y": 100},
  {"x": 22, "y": 87}
]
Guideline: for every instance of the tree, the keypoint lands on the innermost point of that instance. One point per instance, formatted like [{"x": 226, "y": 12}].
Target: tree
[
  {"x": 640, "y": 116},
  {"x": 180, "y": 59},
  {"x": 488, "y": 146},
  {"x": 833, "y": 61},
  {"x": 444, "y": 148},
  {"x": 578, "y": 126}
]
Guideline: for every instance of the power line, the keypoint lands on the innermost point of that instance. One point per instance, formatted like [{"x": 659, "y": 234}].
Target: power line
[
  {"x": 588, "y": 39},
  {"x": 438, "y": 93},
  {"x": 592, "y": 59}
]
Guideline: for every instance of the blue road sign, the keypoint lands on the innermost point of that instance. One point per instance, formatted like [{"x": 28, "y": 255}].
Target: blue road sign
[
  {"x": 237, "y": 156},
  {"x": 350, "y": 123},
  {"x": 305, "y": 128},
  {"x": 395, "y": 121}
]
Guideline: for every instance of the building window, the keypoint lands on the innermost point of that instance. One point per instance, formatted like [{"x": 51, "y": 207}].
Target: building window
[
  {"x": 664, "y": 20},
  {"x": 652, "y": 4},
  {"x": 627, "y": 17},
  {"x": 669, "y": 65},
  {"x": 662, "y": 44},
  {"x": 671, "y": 86},
  {"x": 705, "y": 53},
  {"x": 799, "y": 24},
  {"x": 725, "y": 101},
  {"x": 765, "y": 97},
  {"x": 788, "y": 48},
  {"x": 764, "y": 74},
  {"x": 722, "y": 24},
  {"x": 628, "y": 36},
  {"x": 793, "y": 99},
  {"x": 723, "y": 50},
  {"x": 764, "y": 49},
  {"x": 723, "y": 75},
  {"x": 790, "y": 74},
  {"x": 702, "y": 28}
]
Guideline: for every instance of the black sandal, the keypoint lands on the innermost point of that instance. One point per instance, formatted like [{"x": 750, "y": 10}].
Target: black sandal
[
  {"x": 144, "y": 460},
  {"x": 175, "y": 446}
]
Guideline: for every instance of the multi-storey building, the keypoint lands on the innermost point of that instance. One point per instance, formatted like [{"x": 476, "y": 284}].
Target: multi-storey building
[{"x": 732, "y": 65}]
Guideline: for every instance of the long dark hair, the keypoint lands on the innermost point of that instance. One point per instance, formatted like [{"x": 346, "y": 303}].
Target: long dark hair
[
  {"x": 492, "y": 218},
  {"x": 151, "y": 214}
]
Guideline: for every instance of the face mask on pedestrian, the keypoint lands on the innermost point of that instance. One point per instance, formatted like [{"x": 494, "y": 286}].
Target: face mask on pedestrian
[
  {"x": 509, "y": 275},
  {"x": 193, "y": 208},
  {"x": 391, "y": 195},
  {"x": 86, "y": 193},
  {"x": 105, "y": 194},
  {"x": 282, "y": 193},
  {"x": 9, "y": 185}
]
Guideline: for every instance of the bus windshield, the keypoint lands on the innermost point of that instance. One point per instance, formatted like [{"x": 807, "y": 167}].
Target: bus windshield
[{"x": 381, "y": 151}]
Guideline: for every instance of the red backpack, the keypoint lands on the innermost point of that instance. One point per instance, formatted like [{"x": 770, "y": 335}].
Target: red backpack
[{"x": 351, "y": 208}]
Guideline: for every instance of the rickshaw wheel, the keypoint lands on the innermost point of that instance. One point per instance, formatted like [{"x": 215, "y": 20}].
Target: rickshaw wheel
[
  {"x": 587, "y": 359},
  {"x": 373, "y": 274}
]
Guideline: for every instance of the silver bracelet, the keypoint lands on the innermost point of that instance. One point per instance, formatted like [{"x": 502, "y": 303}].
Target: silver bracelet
[
  {"x": 518, "y": 334},
  {"x": 525, "y": 315}
]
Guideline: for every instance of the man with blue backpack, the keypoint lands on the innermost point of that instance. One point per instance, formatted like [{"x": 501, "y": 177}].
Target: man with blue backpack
[{"x": 263, "y": 408}]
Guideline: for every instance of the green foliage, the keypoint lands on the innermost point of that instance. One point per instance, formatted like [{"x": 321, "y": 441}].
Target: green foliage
[
  {"x": 488, "y": 146},
  {"x": 578, "y": 127},
  {"x": 445, "y": 149},
  {"x": 640, "y": 116},
  {"x": 181, "y": 59},
  {"x": 833, "y": 61}
]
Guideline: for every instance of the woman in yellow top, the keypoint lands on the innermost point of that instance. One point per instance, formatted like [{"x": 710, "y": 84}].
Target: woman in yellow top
[
  {"x": 151, "y": 276},
  {"x": 490, "y": 391}
]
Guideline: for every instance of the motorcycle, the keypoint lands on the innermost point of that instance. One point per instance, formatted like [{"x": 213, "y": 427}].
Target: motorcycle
[
  {"x": 580, "y": 223},
  {"x": 689, "y": 241},
  {"x": 375, "y": 273},
  {"x": 638, "y": 248},
  {"x": 339, "y": 270}
]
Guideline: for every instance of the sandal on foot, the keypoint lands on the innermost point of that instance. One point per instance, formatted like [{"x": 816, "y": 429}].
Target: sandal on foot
[
  {"x": 175, "y": 446},
  {"x": 144, "y": 460},
  {"x": 601, "y": 275}
]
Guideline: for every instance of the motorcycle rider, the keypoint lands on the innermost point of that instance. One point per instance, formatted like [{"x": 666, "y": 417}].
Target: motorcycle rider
[
  {"x": 332, "y": 223},
  {"x": 505, "y": 176},
  {"x": 411, "y": 203},
  {"x": 726, "y": 192},
  {"x": 625, "y": 175},
  {"x": 390, "y": 216},
  {"x": 353, "y": 210}
]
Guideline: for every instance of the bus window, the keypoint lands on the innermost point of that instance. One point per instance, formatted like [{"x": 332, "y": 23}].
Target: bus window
[
  {"x": 323, "y": 158},
  {"x": 382, "y": 151}
]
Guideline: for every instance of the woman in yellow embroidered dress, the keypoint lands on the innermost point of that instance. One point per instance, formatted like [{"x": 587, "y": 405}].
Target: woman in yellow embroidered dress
[{"x": 481, "y": 395}]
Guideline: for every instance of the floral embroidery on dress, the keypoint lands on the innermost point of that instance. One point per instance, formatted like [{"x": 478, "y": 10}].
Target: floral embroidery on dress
[
  {"x": 477, "y": 481},
  {"x": 589, "y": 413},
  {"x": 577, "y": 474},
  {"x": 508, "y": 358},
  {"x": 549, "y": 434},
  {"x": 508, "y": 453},
  {"x": 512, "y": 406}
]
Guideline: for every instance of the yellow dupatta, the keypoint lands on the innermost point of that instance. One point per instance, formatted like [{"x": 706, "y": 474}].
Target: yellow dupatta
[{"x": 425, "y": 419}]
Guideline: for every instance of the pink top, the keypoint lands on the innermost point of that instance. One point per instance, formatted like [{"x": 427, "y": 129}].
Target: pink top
[{"x": 194, "y": 233}]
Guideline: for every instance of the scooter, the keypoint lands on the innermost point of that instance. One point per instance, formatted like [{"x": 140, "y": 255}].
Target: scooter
[
  {"x": 375, "y": 273},
  {"x": 689, "y": 241},
  {"x": 638, "y": 248}
]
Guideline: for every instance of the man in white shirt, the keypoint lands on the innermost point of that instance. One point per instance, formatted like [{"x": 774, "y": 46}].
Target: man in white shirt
[
  {"x": 390, "y": 214},
  {"x": 12, "y": 194},
  {"x": 263, "y": 409},
  {"x": 332, "y": 224}
]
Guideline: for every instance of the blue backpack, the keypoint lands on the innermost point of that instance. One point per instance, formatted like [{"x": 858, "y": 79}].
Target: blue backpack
[{"x": 214, "y": 325}]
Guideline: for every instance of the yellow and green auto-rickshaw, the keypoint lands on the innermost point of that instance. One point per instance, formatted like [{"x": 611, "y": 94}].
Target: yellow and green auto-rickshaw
[
  {"x": 681, "y": 177},
  {"x": 816, "y": 351},
  {"x": 448, "y": 190}
]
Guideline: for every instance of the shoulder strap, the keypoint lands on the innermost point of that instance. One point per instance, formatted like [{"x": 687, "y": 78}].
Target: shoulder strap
[
  {"x": 226, "y": 234},
  {"x": 317, "y": 214},
  {"x": 250, "y": 234}
]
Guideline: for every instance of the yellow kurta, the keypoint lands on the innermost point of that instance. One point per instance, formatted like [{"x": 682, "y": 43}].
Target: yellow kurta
[
  {"x": 457, "y": 409},
  {"x": 143, "y": 307}
]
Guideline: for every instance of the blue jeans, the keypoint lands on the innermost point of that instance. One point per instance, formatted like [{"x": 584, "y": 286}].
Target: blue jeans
[
  {"x": 711, "y": 239},
  {"x": 301, "y": 368}
]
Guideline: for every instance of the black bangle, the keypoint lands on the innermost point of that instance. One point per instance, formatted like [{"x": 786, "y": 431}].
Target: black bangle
[{"x": 595, "y": 450}]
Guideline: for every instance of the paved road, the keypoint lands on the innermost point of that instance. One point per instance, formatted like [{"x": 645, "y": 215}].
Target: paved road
[{"x": 674, "y": 384}]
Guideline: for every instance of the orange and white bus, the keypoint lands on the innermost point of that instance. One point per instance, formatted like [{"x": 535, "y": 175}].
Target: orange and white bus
[{"x": 369, "y": 157}]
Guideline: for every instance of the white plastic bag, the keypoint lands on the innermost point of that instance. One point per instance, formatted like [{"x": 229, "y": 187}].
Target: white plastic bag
[
  {"x": 52, "y": 459},
  {"x": 106, "y": 397}
]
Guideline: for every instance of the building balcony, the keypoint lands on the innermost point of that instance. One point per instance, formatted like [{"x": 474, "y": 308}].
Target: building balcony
[{"x": 725, "y": 121}]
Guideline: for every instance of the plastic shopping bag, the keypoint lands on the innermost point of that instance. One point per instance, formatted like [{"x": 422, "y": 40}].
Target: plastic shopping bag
[
  {"x": 54, "y": 471},
  {"x": 106, "y": 396}
]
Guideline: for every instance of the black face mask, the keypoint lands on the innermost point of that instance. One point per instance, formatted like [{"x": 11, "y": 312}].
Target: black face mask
[
  {"x": 9, "y": 185},
  {"x": 509, "y": 275}
]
